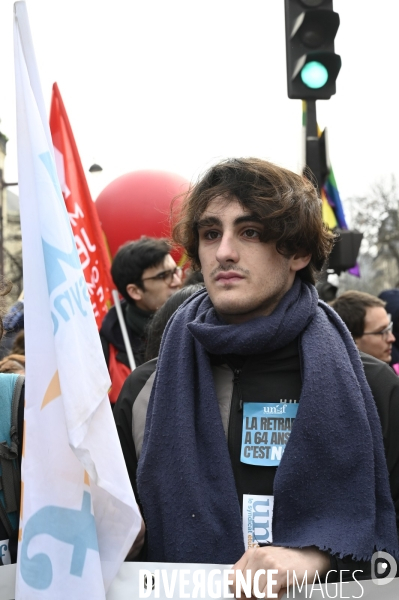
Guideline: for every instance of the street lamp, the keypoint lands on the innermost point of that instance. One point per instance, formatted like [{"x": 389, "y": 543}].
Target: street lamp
[{"x": 95, "y": 168}]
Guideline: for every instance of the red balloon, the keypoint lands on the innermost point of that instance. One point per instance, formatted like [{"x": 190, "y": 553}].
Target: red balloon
[{"x": 138, "y": 204}]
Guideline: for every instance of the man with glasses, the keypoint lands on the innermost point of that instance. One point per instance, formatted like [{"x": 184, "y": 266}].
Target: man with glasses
[
  {"x": 368, "y": 321},
  {"x": 146, "y": 275}
]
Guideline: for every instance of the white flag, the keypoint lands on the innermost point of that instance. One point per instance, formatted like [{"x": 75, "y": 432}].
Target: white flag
[{"x": 78, "y": 513}]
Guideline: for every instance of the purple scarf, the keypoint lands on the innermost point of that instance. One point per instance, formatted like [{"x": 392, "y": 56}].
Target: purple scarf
[{"x": 331, "y": 489}]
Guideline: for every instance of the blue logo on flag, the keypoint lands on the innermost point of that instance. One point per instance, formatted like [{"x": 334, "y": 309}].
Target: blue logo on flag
[
  {"x": 75, "y": 527},
  {"x": 75, "y": 294}
]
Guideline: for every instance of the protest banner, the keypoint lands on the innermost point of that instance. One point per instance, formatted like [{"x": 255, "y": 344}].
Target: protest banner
[
  {"x": 79, "y": 517},
  {"x": 82, "y": 212}
]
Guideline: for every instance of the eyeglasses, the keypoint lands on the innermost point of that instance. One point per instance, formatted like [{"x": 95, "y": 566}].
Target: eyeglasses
[
  {"x": 384, "y": 332},
  {"x": 166, "y": 276}
]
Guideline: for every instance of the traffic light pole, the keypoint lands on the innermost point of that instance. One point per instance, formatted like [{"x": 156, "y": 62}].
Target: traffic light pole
[
  {"x": 312, "y": 70},
  {"x": 346, "y": 249},
  {"x": 312, "y": 146}
]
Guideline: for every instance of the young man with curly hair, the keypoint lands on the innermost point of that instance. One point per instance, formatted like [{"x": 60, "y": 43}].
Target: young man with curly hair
[{"x": 259, "y": 404}]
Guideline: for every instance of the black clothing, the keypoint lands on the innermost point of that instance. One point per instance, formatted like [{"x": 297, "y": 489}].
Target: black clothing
[
  {"x": 391, "y": 297},
  {"x": 123, "y": 416},
  {"x": 110, "y": 333},
  {"x": 272, "y": 377},
  {"x": 137, "y": 320},
  {"x": 282, "y": 369}
]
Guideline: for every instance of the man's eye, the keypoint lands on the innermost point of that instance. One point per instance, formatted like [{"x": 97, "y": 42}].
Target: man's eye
[
  {"x": 251, "y": 233},
  {"x": 211, "y": 235}
]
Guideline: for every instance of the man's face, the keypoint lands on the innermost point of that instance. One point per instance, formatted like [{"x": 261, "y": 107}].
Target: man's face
[
  {"x": 156, "y": 288},
  {"x": 374, "y": 342},
  {"x": 245, "y": 278}
]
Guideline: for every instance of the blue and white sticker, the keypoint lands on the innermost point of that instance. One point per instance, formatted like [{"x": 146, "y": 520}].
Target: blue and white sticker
[
  {"x": 257, "y": 516},
  {"x": 266, "y": 429}
]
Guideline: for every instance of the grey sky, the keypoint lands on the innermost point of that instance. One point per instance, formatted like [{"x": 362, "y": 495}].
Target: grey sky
[{"x": 176, "y": 85}]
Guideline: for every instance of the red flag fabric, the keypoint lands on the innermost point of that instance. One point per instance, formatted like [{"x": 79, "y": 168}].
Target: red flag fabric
[{"x": 89, "y": 237}]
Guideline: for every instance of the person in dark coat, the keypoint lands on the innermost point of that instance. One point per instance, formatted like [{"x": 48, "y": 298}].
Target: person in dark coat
[
  {"x": 391, "y": 297},
  {"x": 146, "y": 275}
]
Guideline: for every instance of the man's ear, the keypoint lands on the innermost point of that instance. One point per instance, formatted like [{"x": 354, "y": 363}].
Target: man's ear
[
  {"x": 300, "y": 260},
  {"x": 134, "y": 292}
]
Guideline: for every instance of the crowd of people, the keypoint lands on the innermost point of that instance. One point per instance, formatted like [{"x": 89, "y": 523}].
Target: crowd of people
[{"x": 251, "y": 391}]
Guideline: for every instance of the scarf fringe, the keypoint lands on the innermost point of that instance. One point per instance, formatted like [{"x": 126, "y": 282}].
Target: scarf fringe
[{"x": 340, "y": 553}]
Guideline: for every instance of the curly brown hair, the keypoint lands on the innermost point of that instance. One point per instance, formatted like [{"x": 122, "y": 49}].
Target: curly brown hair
[{"x": 286, "y": 203}]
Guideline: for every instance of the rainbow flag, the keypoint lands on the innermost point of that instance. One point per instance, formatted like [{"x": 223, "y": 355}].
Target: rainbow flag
[
  {"x": 332, "y": 197},
  {"x": 332, "y": 209},
  {"x": 329, "y": 217}
]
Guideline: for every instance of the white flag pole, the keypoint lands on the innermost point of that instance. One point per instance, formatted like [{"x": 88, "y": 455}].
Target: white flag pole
[{"x": 125, "y": 334}]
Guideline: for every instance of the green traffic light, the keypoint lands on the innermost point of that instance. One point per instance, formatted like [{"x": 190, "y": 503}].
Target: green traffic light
[{"x": 314, "y": 75}]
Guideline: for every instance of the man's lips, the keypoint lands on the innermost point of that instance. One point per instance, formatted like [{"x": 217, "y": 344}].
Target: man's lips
[{"x": 228, "y": 276}]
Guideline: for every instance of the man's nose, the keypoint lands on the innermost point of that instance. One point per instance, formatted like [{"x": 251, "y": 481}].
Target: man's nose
[
  {"x": 391, "y": 338},
  {"x": 227, "y": 250},
  {"x": 176, "y": 281}
]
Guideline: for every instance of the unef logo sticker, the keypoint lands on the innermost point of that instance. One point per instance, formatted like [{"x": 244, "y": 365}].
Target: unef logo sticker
[
  {"x": 67, "y": 288},
  {"x": 257, "y": 517}
]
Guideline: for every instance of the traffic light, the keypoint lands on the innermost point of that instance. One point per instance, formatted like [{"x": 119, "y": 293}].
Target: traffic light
[{"x": 312, "y": 65}]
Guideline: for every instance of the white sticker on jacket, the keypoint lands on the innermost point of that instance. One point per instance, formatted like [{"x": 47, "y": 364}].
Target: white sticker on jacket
[
  {"x": 257, "y": 515},
  {"x": 5, "y": 558}
]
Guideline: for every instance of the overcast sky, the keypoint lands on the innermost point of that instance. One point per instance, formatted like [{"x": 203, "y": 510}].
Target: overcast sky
[{"x": 177, "y": 84}]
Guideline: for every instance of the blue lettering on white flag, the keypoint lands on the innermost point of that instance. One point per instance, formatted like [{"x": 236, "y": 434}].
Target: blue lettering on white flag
[
  {"x": 75, "y": 527},
  {"x": 265, "y": 432},
  {"x": 74, "y": 294},
  {"x": 53, "y": 256}
]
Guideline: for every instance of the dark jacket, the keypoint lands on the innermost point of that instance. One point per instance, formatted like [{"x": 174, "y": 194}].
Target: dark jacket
[
  {"x": 110, "y": 333},
  {"x": 391, "y": 297},
  {"x": 115, "y": 351}
]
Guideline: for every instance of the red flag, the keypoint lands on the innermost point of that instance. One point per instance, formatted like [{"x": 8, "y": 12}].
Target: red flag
[{"x": 82, "y": 212}]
